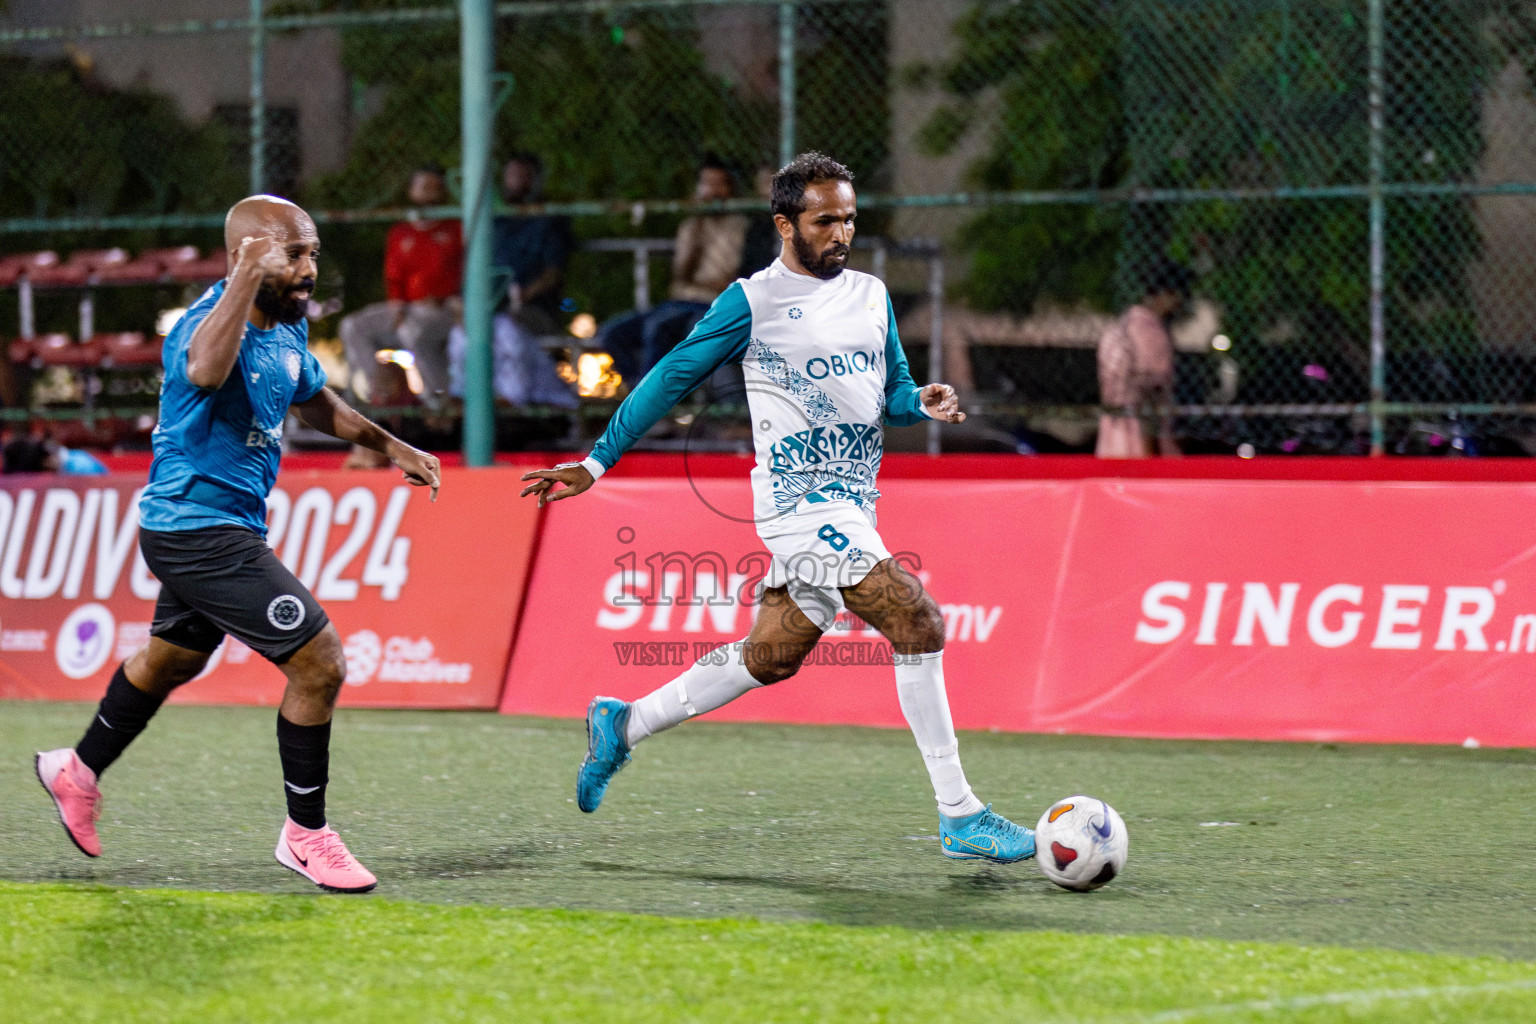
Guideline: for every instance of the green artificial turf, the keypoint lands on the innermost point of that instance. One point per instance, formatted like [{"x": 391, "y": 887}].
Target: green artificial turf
[
  {"x": 90, "y": 954},
  {"x": 1427, "y": 850}
]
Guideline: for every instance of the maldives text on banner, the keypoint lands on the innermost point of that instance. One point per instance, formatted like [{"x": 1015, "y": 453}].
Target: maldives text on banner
[
  {"x": 425, "y": 596},
  {"x": 1389, "y": 612}
]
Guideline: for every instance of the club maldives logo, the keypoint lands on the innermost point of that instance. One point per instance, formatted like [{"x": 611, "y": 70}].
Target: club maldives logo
[
  {"x": 362, "y": 650},
  {"x": 85, "y": 641},
  {"x": 399, "y": 659}
]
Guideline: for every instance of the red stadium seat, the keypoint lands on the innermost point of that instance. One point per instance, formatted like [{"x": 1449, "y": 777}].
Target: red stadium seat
[
  {"x": 127, "y": 348},
  {"x": 146, "y": 268},
  {"x": 206, "y": 270},
  {"x": 62, "y": 350},
  {"x": 14, "y": 266},
  {"x": 19, "y": 351},
  {"x": 171, "y": 257},
  {"x": 77, "y": 272}
]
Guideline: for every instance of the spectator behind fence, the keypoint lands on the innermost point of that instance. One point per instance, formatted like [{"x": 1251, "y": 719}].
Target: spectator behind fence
[
  {"x": 706, "y": 261},
  {"x": 529, "y": 252},
  {"x": 1136, "y": 369},
  {"x": 762, "y": 243},
  {"x": 423, "y": 267}
]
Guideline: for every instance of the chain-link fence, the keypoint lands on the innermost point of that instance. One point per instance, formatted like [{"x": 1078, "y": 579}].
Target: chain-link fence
[{"x": 1352, "y": 182}]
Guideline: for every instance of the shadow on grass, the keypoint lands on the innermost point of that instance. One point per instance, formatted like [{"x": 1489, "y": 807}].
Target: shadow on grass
[
  {"x": 480, "y": 861},
  {"x": 963, "y": 901}
]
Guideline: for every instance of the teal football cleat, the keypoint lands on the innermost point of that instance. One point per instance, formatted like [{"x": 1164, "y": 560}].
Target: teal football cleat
[
  {"x": 985, "y": 836},
  {"x": 607, "y": 750}
]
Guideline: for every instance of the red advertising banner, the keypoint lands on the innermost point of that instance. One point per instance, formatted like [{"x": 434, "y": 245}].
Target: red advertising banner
[
  {"x": 1301, "y": 611},
  {"x": 425, "y": 596},
  {"x": 1391, "y": 612},
  {"x": 637, "y": 577}
]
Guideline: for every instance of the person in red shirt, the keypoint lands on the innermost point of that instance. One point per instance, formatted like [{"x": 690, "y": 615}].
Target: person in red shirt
[{"x": 423, "y": 269}]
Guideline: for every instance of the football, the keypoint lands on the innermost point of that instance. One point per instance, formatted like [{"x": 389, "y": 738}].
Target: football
[{"x": 1081, "y": 843}]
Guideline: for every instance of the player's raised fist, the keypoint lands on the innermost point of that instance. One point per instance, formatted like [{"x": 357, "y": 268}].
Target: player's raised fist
[
  {"x": 263, "y": 253},
  {"x": 942, "y": 403}
]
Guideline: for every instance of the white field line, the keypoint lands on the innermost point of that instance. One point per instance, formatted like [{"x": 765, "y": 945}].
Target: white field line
[{"x": 1337, "y": 999}]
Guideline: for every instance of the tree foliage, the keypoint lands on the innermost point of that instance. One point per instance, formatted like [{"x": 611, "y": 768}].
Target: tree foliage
[
  {"x": 617, "y": 105},
  {"x": 1235, "y": 94},
  {"x": 71, "y": 146},
  {"x": 1040, "y": 81}
]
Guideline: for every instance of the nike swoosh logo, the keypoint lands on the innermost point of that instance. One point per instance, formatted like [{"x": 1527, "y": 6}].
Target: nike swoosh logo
[
  {"x": 303, "y": 861},
  {"x": 104, "y": 722},
  {"x": 1103, "y": 832},
  {"x": 301, "y": 790}
]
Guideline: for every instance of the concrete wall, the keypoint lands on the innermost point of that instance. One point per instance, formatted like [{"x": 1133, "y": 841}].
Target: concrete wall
[
  {"x": 921, "y": 33},
  {"x": 1504, "y": 280}
]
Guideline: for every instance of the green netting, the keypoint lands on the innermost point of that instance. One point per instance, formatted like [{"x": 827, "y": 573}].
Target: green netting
[{"x": 1055, "y": 149}]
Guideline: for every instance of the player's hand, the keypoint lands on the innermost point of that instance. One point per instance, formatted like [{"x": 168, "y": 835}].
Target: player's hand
[
  {"x": 264, "y": 254},
  {"x": 420, "y": 468},
  {"x": 574, "y": 476},
  {"x": 942, "y": 403}
]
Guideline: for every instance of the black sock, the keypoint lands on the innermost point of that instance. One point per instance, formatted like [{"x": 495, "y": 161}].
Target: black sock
[
  {"x": 306, "y": 754},
  {"x": 121, "y": 716}
]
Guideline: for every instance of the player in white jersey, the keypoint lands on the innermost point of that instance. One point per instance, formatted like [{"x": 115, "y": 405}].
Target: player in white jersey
[{"x": 824, "y": 368}]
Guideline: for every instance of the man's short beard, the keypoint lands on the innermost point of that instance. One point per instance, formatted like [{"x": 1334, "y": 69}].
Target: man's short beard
[
  {"x": 282, "y": 306},
  {"x": 824, "y": 265}
]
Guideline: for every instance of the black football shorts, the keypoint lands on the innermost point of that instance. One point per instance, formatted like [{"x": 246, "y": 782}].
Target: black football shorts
[{"x": 224, "y": 579}]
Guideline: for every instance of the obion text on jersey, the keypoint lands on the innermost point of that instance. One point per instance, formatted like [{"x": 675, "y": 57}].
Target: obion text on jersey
[{"x": 820, "y": 368}]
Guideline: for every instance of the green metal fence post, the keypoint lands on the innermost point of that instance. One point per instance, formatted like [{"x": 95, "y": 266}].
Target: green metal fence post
[
  {"x": 476, "y": 56},
  {"x": 258, "y": 98},
  {"x": 1378, "y": 232},
  {"x": 935, "y": 336},
  {"x": 786, "y": 81}
]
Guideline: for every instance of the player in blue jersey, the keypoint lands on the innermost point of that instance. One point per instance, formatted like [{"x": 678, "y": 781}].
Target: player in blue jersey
[
  {"x": 235, "y": 365},
  {"x": 824, "y": 369}
]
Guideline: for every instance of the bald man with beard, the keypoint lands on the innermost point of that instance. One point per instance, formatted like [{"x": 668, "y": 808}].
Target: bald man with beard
[{"x": 235, "y": 364}]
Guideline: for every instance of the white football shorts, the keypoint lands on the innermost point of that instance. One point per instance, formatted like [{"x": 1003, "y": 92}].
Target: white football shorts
[{"x": 819, "y": 548}]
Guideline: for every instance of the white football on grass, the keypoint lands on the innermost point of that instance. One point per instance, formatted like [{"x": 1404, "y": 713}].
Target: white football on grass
[{"x": 1081, "y": 843}]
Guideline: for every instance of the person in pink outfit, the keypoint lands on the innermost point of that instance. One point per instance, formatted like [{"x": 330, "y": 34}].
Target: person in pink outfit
[{"x": 1136, "y": 370}]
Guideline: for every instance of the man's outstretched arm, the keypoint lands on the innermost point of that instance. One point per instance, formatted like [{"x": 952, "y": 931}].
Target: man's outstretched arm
[
  {"x": 719, "y": 338},
  {"x": 327, "y": 413}
]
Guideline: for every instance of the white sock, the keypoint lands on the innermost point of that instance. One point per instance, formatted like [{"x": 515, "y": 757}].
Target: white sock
[
  {"x": 920, "y": 688},
  {"x": 702, "y": 688}
]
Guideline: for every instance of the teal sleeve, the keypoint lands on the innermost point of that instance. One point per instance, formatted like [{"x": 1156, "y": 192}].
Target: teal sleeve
[
  {"x": 311, "y": 379},
  {"x": 721, "y": 337},
  {"x": 903, "y": 406}
]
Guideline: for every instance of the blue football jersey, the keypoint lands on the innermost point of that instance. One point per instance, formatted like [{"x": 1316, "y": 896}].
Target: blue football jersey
[{"x": 216, "y": 452}]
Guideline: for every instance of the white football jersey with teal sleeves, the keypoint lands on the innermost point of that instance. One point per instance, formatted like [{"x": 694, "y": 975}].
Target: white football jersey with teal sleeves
[{"x": 824, "y": 368}]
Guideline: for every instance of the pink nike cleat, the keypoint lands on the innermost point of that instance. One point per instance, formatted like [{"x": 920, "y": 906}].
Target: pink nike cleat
[
  {"x": 320, "y": 856},
  {"x": 73, "y": 788}
]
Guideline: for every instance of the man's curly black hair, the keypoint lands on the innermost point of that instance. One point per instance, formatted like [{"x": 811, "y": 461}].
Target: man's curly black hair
[{"x": 790, "y": 183}]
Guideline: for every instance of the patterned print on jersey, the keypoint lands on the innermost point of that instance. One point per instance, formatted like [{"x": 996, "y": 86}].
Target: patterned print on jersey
[
  {"x": 833, "y": 463},
  {"x": 818, "y": 407},
  {"x": 838, "y": 367}
]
